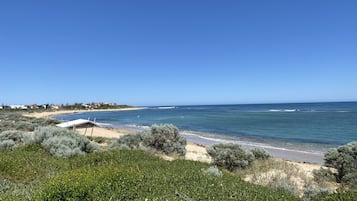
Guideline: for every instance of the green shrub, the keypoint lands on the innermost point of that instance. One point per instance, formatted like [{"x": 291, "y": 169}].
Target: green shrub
[
  {"x": 230, "y": 156},
  {"x": 287, "y": 186},
  {"x": 16, "y": 121},
  {"x": 165, "y": 138},
  {"x": 260, "y": 154},
  {"x": 64, "y": 143},
  {"x": 11, "y": 139},
  {"x": 16, "y": 136},
  {"x": 7, "y": 144},
  {"x": 313, "y": 192},
  {"x": 63, "y": 146},
  {"x": 344, "y": 160},
  {"x": 323, "y": 175},
  {"x": 213, "y": 170},
  {"x": 130, "y": 141},
  {"x": 96, "y": 139}
]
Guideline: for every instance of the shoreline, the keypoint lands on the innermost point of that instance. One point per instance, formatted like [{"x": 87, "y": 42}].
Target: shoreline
[
  {"x": 196, "y": 146},
  {"x": 291, "y": 154},
  {"x": 51, "y": 114}
]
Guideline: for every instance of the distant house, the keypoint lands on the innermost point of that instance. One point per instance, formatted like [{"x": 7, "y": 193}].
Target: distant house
[
  {"x": 33, "y": 106},
  {"x": 55, "y": 107},
  {"x": 22, "y": 107}
]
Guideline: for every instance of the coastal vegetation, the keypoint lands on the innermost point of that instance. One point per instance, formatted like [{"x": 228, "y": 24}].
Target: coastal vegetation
[
  {"x": 17, "y": 121},
  {"x": 49, "y": 163},
  {"x": 233, "y": 156},
  {"x": 343, "y": 160},
  {"x": 63, "y": 143},
  {"x": 162, "y": 138}
]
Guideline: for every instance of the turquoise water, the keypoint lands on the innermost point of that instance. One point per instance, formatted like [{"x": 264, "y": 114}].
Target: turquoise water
[{"x": 312, "y": 126}]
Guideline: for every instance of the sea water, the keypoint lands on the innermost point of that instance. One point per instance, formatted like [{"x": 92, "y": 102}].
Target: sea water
[{"x": 298, "y": 126}]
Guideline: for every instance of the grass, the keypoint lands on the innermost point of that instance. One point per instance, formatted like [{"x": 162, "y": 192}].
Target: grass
[{"x": 33, "y": 174}]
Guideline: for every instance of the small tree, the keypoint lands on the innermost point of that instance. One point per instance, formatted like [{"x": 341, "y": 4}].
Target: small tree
[{"x": 230, "y": 156}]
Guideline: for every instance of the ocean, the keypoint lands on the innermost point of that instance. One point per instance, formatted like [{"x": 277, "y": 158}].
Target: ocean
[{"x": 310, "y": 127}]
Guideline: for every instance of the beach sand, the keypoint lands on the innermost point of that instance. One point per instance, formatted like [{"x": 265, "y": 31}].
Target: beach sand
[{"x": 51, "y": 114}]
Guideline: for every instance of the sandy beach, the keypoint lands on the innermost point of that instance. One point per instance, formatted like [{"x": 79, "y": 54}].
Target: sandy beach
[{"x": 50, "y": 114}]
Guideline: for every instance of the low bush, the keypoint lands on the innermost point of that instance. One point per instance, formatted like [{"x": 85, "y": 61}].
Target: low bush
[
  {"x": 64, "y": 143},
  {"x": 344, "y": 160},
  {"x": 96, "y": 139},
  {"x": 323, "y": 175},
  {"x": 7, "y": 144},
  {"x": 260, "y": 154},
  {"x": 230, "y": 156},
  {"x": 213, "y": 170},
  {"x": 163, "y": 138},
  {"x": 24, "y": 126},
  {"x": 130, "y": 141},
  {"x": 313, "y": 192},
  {"x": 11, "y": 139}
]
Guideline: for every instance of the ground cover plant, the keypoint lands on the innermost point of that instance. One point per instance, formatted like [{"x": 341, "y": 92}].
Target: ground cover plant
[
  {"x": 32, "y": 173},
  {"x": 16, "y": 121},
  {"x": 339, "y": 196}
]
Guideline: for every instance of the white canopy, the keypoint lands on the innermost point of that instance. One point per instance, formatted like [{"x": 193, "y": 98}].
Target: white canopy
[{"x": 75, "y": 123}]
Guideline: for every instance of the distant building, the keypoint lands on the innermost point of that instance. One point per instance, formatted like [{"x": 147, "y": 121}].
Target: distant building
[
  {"x": 33, "y": 106},
  {"x": 22, "y": 107},
  {"x": 55, "y": 107}
]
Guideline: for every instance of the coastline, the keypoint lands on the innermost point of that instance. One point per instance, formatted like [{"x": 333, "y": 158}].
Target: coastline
[
  {"x": 290, "y": 154},
  {"x": 51, "y": 114},
  {"x": 196, "y": 146}
]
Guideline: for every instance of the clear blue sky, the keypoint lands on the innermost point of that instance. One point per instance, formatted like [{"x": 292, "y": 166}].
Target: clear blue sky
[{"x": 178, "y": 52}]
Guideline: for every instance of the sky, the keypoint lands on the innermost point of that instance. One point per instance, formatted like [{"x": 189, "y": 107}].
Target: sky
[{"x": 177, "y": 52}]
